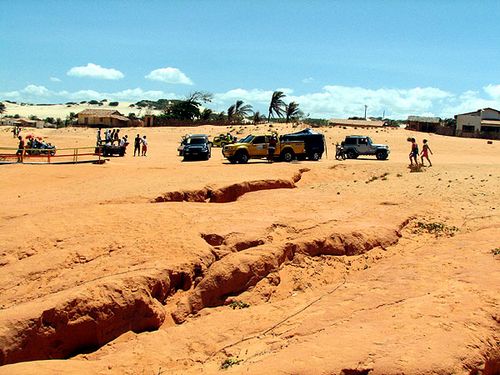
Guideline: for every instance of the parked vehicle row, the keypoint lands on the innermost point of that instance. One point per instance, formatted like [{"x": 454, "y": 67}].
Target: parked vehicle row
[{"x": 303, "y": 145}]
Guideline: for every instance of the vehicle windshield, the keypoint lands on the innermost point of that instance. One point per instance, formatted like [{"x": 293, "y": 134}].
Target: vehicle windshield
[
  {"x": 196, "y": 141},
  {"x": 247, "y": 139}
]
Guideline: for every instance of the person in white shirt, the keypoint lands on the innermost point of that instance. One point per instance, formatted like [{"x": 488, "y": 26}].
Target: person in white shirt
[{"x": 144, "y": 146}]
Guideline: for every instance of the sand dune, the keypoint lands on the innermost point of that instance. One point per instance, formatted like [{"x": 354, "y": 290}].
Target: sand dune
[{"x": 63, "y": 110}]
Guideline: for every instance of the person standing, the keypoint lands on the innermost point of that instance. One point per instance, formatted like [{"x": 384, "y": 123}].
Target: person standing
[
  {"x": 20, "y": 150},
  {"x": 98, "y": 140},
  {"x": 144, "y": 146},
  {"x": 107, "y": 135},
  {"x": 137, "y": 145},
  {"x": 14, "y": 131},
  {"x": 425, "y": 153},
  {"x": 414, "y": 152},
  {"x": 116, "y": 137},
  {"x": 271, "y": 148}
]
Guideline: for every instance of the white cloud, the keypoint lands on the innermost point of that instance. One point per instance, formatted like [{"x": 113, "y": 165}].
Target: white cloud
[
  {"x": 331, "y": 101},
  {"x": 345, "y": 101},
  {"x": 55, "y": 79},
  {"x": 308, "y": 80},
  {"x": 169, "y": 75},
  {"x": 493, "y": 91},
  {"x": 36, "y": 90},
  {"x": 95, "y": 71}
]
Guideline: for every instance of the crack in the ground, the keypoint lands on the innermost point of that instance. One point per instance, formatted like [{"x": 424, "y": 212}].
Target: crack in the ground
[
  {"x": 74, "y": 320},
  {"x": 230, "y": 193}
]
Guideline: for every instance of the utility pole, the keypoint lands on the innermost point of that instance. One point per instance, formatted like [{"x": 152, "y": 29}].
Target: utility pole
[{"x": 365, "y": 110}]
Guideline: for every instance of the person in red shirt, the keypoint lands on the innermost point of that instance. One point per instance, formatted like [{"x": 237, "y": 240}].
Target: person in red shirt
[{"x": 425, "y": 153}]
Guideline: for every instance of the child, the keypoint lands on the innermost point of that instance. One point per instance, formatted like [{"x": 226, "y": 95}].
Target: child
[
  {"x": 144, "y": 146},
  {"x": 414, "y": 151},
  {"x": 425, "y": 153}
]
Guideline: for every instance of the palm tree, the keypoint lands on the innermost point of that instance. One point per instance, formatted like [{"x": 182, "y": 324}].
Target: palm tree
[
  {"x": 291, "y": 111},
  {"x": 258, "y": 118},
  {"x": 206, "y": 114},
  {"x": 237, "y": 111},
  {"x": 276, "y": 105}
]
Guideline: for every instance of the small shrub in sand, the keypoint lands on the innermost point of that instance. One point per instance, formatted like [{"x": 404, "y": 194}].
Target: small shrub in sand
[
  {"x": 496, "y": 251},
  {"x": 229, "y": 362},
  {"x": 436, "y": 228},
  {"x": 238, "y": 305}
]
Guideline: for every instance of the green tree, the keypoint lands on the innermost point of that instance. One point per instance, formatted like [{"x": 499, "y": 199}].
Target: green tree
[
  {"x": 2, "y": 108},
  {"x": 238, "y": 111},
  {"x": 187, "y": 109},
  {"x": 277, "y": 105},
  {"x": 292, "y": 111}
]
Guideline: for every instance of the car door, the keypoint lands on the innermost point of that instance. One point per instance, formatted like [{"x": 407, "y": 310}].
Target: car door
[
  {"x": 363, "y": 146},
  {"x": 260, "y": 146}
]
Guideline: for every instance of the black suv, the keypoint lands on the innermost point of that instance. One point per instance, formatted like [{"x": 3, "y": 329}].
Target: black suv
[
  {"x": 314, "y": 142},
  {"x": 197, "y": 147}
]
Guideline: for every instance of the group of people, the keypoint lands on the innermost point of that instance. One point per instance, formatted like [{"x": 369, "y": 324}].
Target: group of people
[
  {"x": 140, "y": 143},
  {"x": 414, "y": 153},
  {"x": 111, "y": 136}
]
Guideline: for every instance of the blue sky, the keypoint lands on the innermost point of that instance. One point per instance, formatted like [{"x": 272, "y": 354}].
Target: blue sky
[{"x": 332, "y": 57}]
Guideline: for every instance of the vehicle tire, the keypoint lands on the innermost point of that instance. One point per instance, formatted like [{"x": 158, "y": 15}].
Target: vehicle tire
[
  {"x": 351, "y": 154},
  {"x": 381, "y": 155},
  {"x": 287, "y": 155},
  {"x": 232, "y": 160},
  {"x": 242, "y": 157},
  {"x": 315, "y": 156}
]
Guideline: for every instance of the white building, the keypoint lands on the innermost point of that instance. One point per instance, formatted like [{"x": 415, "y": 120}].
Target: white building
[{"x": 483, "y": 122}]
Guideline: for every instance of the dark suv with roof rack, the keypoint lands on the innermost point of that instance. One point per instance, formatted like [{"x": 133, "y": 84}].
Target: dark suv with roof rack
[{"x": 197, "y": 147}]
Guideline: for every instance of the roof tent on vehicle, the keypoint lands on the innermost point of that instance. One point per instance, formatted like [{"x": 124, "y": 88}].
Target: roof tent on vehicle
[{"x": 314, "y": 142}]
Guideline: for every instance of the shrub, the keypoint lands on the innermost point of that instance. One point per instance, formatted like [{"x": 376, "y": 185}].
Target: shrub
[
  {"x": 113, "y": 104},
  {"x": 229, "y": 362},
  {"x": 93, "y": 102}
]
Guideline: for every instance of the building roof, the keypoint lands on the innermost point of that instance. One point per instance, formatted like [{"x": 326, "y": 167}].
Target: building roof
[
  {"x": 99, "y": 112},
  {"x": 337, "y": 121},
  {"x": 478, "y": 111},
  {"x": 120, "y": 117},
  {"x": 431, "y": 120}
]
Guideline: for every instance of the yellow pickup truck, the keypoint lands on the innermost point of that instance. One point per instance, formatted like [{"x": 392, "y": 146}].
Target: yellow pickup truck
[{"x": 257, "y": 146}]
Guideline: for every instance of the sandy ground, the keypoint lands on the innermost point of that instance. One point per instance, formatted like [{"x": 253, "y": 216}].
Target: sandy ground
[
  {"x": 62, "y": 110},
  {"x": 361, "y": 267}
]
